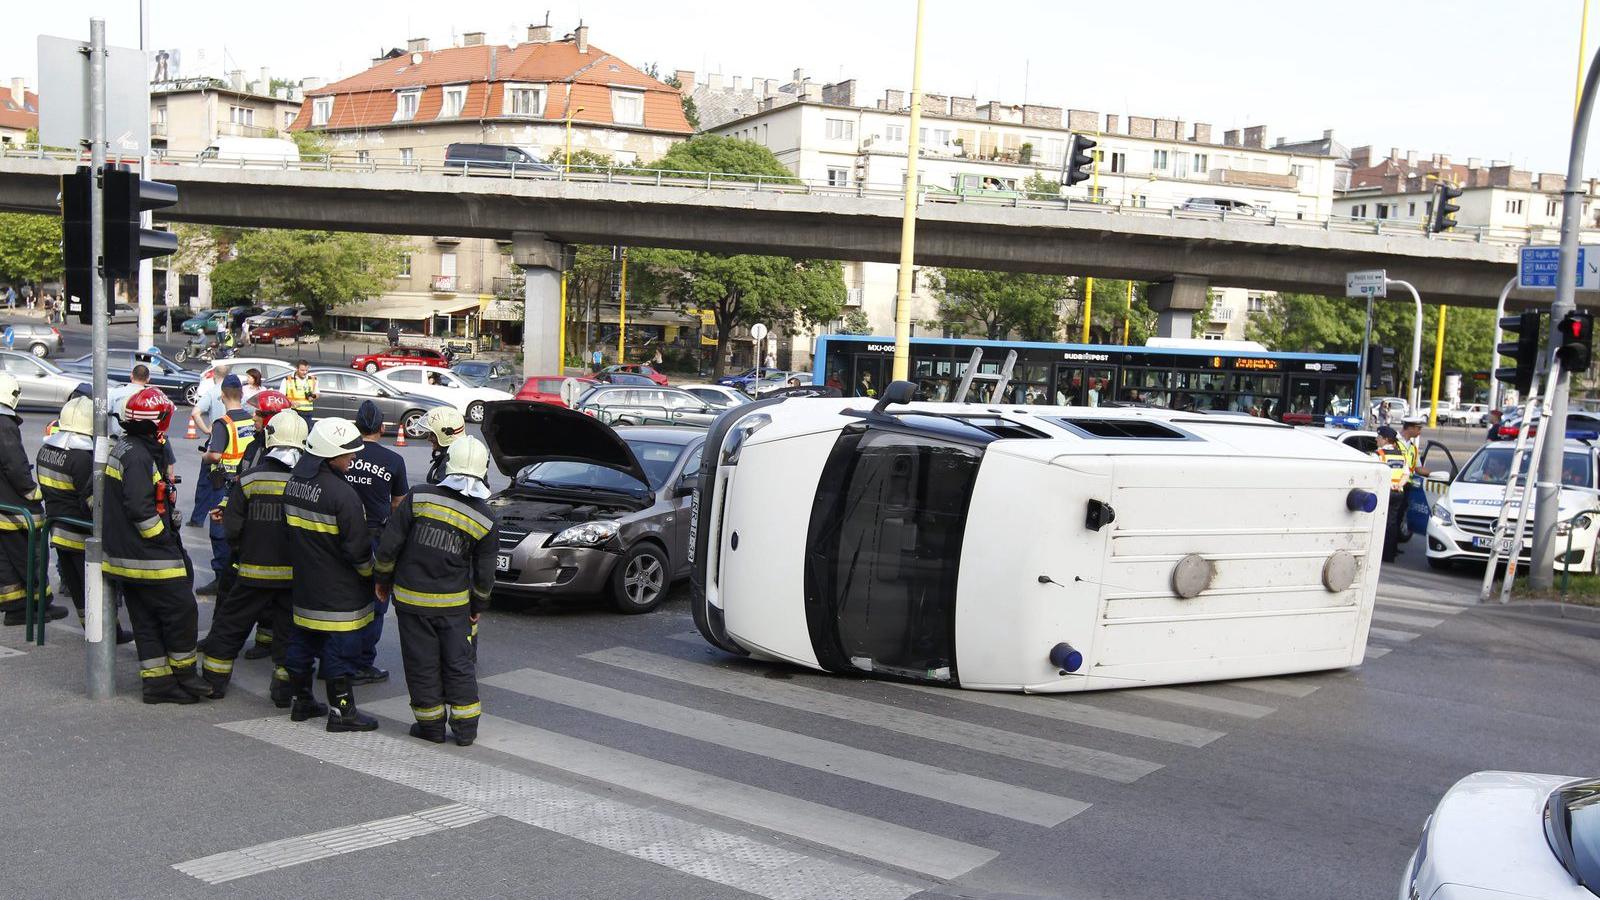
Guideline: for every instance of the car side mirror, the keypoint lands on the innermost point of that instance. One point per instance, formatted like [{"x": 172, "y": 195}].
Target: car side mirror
[
  {"x": 687, "y": 483},
  {"x": 1442, "y": 476}
]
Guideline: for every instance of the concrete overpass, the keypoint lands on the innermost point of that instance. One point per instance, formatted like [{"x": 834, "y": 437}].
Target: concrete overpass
[{"x": 1181, "y": 252}]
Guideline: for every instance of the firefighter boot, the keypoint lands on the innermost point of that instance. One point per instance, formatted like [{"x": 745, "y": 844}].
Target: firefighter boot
[
  {"x": 465, "y": 730},
  {"x": 165, "y": 689},
  {"x": 190, "y": 680},
  {"x": 303, "y": 704},
  {"x": 428, "y": 731},
  {"x": 282, "y": 690},
  {"x": 217, "y": 682},
  {"x": 342, "y": 712}
]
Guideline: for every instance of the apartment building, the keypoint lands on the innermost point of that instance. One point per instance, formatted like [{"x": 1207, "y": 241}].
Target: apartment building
[
  {"x": 188, "y": 115},
  {"x": 411, "y": 104},
  {"x": 19, "y": 111},
  {"x": 825, "y": 134}
]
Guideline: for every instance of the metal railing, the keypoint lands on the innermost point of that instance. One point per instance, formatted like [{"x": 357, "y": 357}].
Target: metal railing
[
  {"x": 444, "y": 284},
  {"x": 35, "y": 577}
]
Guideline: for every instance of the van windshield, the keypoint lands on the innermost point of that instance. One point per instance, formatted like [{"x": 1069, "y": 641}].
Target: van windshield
[{"x": 1492, "y": 465}]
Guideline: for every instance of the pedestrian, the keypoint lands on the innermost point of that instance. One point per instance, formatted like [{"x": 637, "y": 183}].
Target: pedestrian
[
  {"x": 253, "y": 522},
  {"x": 11, "y": 297},
  {"x": 437, "y": 560},
  {"x": 444, "y": 424},
  {"x": 332, "y": 594},
  {"x": 252, "y": 383},
  {"x": 144, "y": 554},
  {"x": 301, "y": 389},
  {"x": 231, "y": 433},
  {"x": 263, "y": 406},
  {"x": 27, "y": 295},
  {"x": 206, "y": 410},
  {"x": 1390, "y": 453},
  {"x": 17, "y": 489},
  {"x": 379, "y": 476},
  {"x": 394, "y": 333},
  {"x": 65, "y": 465},
  {"x": 1410, "y": 438},
  {"x": 1496, "y": 416}
]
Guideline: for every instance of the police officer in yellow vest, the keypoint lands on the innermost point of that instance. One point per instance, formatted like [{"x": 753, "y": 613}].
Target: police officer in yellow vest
[
  {"x": 231, "y": 433},
  {"x": 1394, "y": 456},
  {"x": 301, "y": 388}
]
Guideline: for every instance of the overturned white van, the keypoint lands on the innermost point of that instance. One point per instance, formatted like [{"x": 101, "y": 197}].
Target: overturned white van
[{"x": 1033, "y": 548}]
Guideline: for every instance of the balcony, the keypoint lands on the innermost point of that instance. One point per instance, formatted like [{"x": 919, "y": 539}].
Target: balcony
[
  {"x": 444, "y": 284},
  {"x": 509, "y": 287},
  {"x": 1221, "y": 313},
  {"x": 237, "y": 129},
  {"x": 158, "y": 129}
]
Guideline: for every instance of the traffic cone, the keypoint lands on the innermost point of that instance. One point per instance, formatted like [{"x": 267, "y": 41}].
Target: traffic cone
[
  {"x": 400, "y": 435},
  {"x": 190, "y": 434}
]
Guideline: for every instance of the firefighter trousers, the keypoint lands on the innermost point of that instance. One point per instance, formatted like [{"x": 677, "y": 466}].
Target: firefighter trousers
[
  {"x": 69, "y": 565},
  {"x": 165, "y": 623},
  {"x": 246, "y": 606},
  {"x": 441, "y": 668},
  {"x": 13, "y": 571}
]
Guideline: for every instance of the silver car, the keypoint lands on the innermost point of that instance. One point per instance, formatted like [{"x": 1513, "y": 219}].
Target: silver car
[
  {"x": 591, "y": 510},
  {"x": 628, "y": 404},
  {"x": 44, "y": 386},
  {"x": 41, "y": 340}
]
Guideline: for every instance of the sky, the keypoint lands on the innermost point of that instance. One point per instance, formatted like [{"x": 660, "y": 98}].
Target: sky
[{"x": 1471, "y": 78}]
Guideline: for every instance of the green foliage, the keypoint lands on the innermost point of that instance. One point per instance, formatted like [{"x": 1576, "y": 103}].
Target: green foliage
[
  {"x": 30, "y": 247},
  {"x": 581, "y": 159},
  {"x": 312, "y": 144},
  {"x": 996, "y": 304},
  {"x": 1111, "y": 310},
  {"x": 856, "y": 322},
  {"x": 690, "y": 111},
  {"x": 1202, "y": 316},
  {"x": 1040, "y": 185},
  {"x": 319, "y": 269},
  {"x": 729, "y": 157}
]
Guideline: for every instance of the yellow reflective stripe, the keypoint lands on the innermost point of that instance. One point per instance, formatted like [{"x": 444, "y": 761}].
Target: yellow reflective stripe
[
  {"x": 149, "y": 528},
  {"x": 181, "y": 661},
  {"x": 365, "y": 571},
  {"x": 219, "y": 666},
  {"x": 56, "y": 483},
  {"x": 275, "y": 573},
  {"x": 60, "y": 539},
  {"x": 8, "y": 525},
  {"x": 428, "y": 713},
  {"x": 423, "y": 598},
  {"x": 12, "y": 592},
  {"x": 114, "y": 469},
  {"x": 470, "y": 711},
  {"x": 451, "y": 517},
  {"x": 326, "y": 625},
  {"x": 257, "y": 488},
  {"x": 384, "y": 567},
  {"x": 155, "y": 671},
  {"x": 308, "y": 525},
  {"x": 112, "y": 568}
]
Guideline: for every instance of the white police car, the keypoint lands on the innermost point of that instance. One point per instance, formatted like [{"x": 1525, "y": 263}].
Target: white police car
[{"x": 1461, "y": 524}]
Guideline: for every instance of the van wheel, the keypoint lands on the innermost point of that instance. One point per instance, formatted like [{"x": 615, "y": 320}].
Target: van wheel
[
  {"x": 475, "y": 411},
  {"x": 639, "y": 582}
]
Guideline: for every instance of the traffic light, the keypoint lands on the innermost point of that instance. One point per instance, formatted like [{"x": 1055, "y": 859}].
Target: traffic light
[
  {"x": 126, "y": 244},
  {"x": 77, "y": 259},
  {"x": 1577, "y": 337},
  {"x": 1443, "y": 210},
  {"x": 1525, "y": 350},
  {"x": 1079, "y": 160},
  {"x": 1380, "y": 362}
]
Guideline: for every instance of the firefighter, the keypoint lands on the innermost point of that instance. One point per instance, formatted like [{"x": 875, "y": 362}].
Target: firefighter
[
  {"x": 301, "y": 388},
  {"x": 16, "y": 489},
  {"x": 264, "y": 405},
  {"x": 145, "y": 555},
  {"x": 436, "y": 560},
  {"x": 231, "y": 434},
  {"x": 252, "y": 519},
  {"x": 66, "y": 478},
  {"x": 444, "y": 424},
  {"x": 332, "y": 593}
]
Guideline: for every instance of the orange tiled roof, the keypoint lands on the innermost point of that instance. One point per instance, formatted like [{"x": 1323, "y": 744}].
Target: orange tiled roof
[
  {"x": 368, "y": 99},
  {"x": 14, "y": 116}
]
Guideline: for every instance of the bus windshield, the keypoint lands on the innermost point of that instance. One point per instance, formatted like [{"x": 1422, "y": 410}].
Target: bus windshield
[{"x": 1492, "y": 465}]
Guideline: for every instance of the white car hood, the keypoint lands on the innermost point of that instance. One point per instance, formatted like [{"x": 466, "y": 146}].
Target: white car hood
[
  {"x": 1486, "y": 500},
  {"x": 1488, "y": 833}
]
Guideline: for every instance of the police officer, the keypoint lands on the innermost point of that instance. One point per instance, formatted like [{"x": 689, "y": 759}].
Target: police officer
[
  {"x": 16, "y": 489},
  {"x": 252, "y": 519},
  {"x": 437, "y": 560},
  {"x": 379, "y": 476},
  {"x": 231, "y": 434},
  {"x": 264, "y": 405},
  {"x": 1410, "y": 442},
  {"x": 332, "y": 593},
  {"x": 301, "y": 388},
  {"x": 146, "y": 557},
  {"x": 1394, "y": 457},
  {"x": 444, "y": 424},
  {"x": 66, "y": 477}
]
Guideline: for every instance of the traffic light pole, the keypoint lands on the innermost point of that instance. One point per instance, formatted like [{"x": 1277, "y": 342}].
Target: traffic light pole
[
  {"x": 146, "y": 291},
  {"x": 1494, "y": 352},
  {"x": 100, "y": 617},
  {"x": 1541, "y": 565},
  {"x": 1414, "y": 394},
  {"x": 1363, "y": 403}
]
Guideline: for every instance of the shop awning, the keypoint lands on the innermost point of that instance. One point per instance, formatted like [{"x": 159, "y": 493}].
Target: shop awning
[{"x": 407, "y": 307}]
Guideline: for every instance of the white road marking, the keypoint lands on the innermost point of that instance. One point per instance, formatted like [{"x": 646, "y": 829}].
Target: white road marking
[
  {"x": 1391, "y": 634},
  {"x": 906, "y": 776},
  {"x": 1206, "y": 702},
  {"x": 1412, "y": 621},
  {"x": 763, "y": 869},
  {"x": 921, "y": 725},
  {"x": 247, "y": 861},
  {"x": 11, "y": 651},
  {"x": 1375, "y": 652},
  {"x": 873, "y": 839},
  {"x": 1447, "y": 609},
  {"x": 1280, "y": 686},
  {"x": 1065, "y": 709}
]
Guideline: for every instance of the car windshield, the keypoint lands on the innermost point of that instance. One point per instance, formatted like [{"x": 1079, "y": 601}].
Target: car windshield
[
  {"x": 1492, "y": 465},
  {"x": 657, "y": 459},
  {"x": 1572, "y": 828}
]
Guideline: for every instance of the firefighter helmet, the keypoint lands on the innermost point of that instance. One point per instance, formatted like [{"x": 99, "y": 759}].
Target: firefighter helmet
[
  {"x": 10, "y": 391},
  {"x": 468, "y": 456},
  {"x": 78, "y": 416},
  {"x": 267, "y": 404},
  {"x": 147, "y": 407},
  {"x": 286, "y": 430},
  {"x": 333, "y": 437},
  {"x": 446, "y": 424}
]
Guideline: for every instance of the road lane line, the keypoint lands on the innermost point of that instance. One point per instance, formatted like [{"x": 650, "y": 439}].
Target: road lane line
[
  {"x": 1392, "y": 618},
  {"x": 756, "y": 867},
  {"x": 1062, "y": 708},
  {"x": 944, "y": 785},
  {"x": 1375, "y": 652},
  {"x": 1447, "y": 609},
  {"x": 873, "y": 839},
  {"x": 1391, "y": 634},
  {"x": 921, "y": 725},
  {"x": 1198, "y": 700},
  {"x": 1281, "y": 687}
]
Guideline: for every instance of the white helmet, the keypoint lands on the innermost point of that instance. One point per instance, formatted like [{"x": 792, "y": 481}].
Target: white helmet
[
  {"x": 286, "y": 429},
  {"x": 332, "y": 437},
  {"x": 446, "y": 424},
  {"x": 468, "y": 456},
  {"x": 11, "y": 392},
  {"x": 77, "y": 416}
]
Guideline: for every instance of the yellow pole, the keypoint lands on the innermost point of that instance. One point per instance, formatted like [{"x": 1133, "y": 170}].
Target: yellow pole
[
  {"x": 568, "y": 158},
  {"x": 908, "y": 218},
  {"x": 1438, "y": 362},
  {"x": 1088, "y": 307},
  {"x": 1127, "y": 315},
  {"x": 561, "y": 331},
  {"x": 622, "y": 311},
  {"x": 1583, "y": 39}
]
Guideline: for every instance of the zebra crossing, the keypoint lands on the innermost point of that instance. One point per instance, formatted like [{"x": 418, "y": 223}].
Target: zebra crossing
[{"x": 798, "y": 785}]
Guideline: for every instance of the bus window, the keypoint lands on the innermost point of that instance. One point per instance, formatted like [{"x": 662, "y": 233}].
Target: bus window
[
  {"x": 838, "y": 374},
  {"x": 870, "y": 375},
  {"x": 1305, "y": 396}
]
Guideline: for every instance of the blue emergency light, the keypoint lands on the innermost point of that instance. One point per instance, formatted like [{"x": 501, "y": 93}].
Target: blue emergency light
[
  {"x": 1359, "y": 500},
  {"x": 1066, "y": 658}
]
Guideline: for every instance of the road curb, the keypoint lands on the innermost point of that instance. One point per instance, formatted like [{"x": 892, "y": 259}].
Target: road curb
[{"x": 1551, "y": 609}]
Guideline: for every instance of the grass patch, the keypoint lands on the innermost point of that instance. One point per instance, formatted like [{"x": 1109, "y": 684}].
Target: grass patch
[{"x": 1581, "y": 589}]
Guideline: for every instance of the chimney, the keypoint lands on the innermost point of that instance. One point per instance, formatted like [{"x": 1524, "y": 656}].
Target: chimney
[
  {"x": 1202, "y": 133},
  {"x": 1113, "y": 123},
  {"x": 714, "y": 81},
  {"x": 799, "y": 76},
  {"x": 841, "y": 94},
  {"x": 472, "y": 39},
  {"x": 539, "y": 34},
  {"x": 236, "y": 80},
  {"x": 19, "y": 91},
  {"x": 417, "y": 45},
  {"x": 1361, "y": 156},
  {"x": 1474, "y": 162},
  {"x": 1255, "y": 136},
  {"x": 737, "y": 84},
  {"x": 1327, "y": 134},
  {"x": 581, "y": 38},
  {"x": 964, "y": 107},
  {"x": 266, "y": 81},
  {"x": 686, "y": 79},
  {"x": 310, "y": 84},
  {"x": 1411, "y": 157},
  {"x": 894, "y": 100}
]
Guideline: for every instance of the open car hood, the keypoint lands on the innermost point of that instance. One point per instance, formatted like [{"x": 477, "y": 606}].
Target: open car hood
[{"x": 521, "y": 432}]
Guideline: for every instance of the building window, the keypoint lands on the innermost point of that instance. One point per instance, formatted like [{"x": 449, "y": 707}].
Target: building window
[
  {"x": 405, "y": 107},
  {"x": 1411, "y": 212},
  {"x": 1119, "y": 162},
  {"x": 405, "y": 156},
  {"x": 1054, "y": 150},
  {"x": 1255, "y": 303},
  {"x": 1514, "y": 207},
  {"x": 1200, "y": 164},
  {"x": 1213, "y": 335},
  {"x": 241, "y": 115},
  {"x": 161, "y": 115},
  {"x": 627, "y": 107},
  {"x": 524, "y": 100},
  {"x": 1551, "y": 207},
  {"x": 1097, "y": 195},
  {"x": 1358, "y": 211},
  {"x": 363, "y": 156},
  {"x": 288, "y": 119},
  {"x": 455, "y": 100},
  {"x": 1159, "y": 160},
  {"x": 405, "y": 265},
  {"x": 1140, "y": 201},
  {"x": 321, "y": 110},
  {"x": 937, "y": 137},
  {"x": 838, "y": 177},
  {"x": 1382, "y": 210},
  {"x": 841, "y": 130},
  {"x": 894, "y": 134},
  {"x": 1299, "y": 172}
]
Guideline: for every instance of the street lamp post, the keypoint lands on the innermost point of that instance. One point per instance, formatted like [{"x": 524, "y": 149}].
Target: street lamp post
[
  {"x": 1494, "y": 345},
  {"x": 908, "y": 217},
  {"x": 566, "y": 165},
  {"x": 1413, "y": 396}
]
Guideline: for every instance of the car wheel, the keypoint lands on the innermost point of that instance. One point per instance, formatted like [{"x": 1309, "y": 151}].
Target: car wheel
[
  {"x": 371, "y": 367},
  {"x": 191, "y": 393},
  {"x": 639, "y": 582},
  {"x": 412, "y": 422},
  {"x": 39, "y": 350},
  {"x": 1439, "y": 563},
  {"x": 475, "y": 412}
]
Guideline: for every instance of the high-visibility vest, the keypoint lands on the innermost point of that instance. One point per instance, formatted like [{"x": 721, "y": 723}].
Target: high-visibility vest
[
  {"x": 299, "y": 391},
  {"x": 241, "y": 431},
  {"x": 1399, "y": 468}
]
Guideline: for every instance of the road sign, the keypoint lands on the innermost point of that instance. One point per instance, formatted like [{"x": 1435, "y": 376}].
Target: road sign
[
  {"x": 64, "y": 83},
  {"x": 571, "y": 390},
  {"x": 1367, "y": 283},
  {"x": 1539, "y": 267},
  {"x": 758, "y": 331}
]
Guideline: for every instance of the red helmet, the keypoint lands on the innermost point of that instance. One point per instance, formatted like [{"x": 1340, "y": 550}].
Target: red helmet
[
  {"x": 269, "y": 403},
  {"x": 149, "y": 405}
]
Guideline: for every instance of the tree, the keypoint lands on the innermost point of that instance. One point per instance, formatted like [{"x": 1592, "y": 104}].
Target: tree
[
  {"x": 581, "y": 159},
  {"x": 999, "y": 303},
  {"x": 1112, "y": 310},
  {"x": 856, "y": 322},
  {"x": 321, "y": 270},
  {"x": 30, "y": 247},
  {"x": 1039, "y": 185},
  {"x": 312, "y": 144},
  {"x": 690, "y": 111},
  {"x": 728, "y": 158}
]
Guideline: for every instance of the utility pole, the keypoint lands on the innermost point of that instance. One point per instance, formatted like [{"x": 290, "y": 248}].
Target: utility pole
[
  {"x": 908, "y": 216},
  {"x": 100, "y": 617},
  {"x": 146, "y": 280}
]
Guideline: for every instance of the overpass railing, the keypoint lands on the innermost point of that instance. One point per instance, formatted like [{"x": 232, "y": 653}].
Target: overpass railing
[{"x": 1130, "y": 204}]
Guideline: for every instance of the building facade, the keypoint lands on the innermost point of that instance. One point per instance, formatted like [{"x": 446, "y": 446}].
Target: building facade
[
  {"x": 19, "y": 111},
  {"x": 189, "y": 115}
]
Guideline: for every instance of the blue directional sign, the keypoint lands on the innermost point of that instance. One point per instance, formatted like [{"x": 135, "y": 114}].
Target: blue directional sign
[{"x": 1540, "y": 267}]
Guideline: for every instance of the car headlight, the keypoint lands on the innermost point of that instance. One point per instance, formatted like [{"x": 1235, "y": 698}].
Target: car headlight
[
  {"x": 1442, "y": 513},
  {"x": 589, "y": 534}
]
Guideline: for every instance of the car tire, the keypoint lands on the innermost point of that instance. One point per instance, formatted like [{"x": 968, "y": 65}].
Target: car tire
[
  {"x": 1439, "y": 564},
  {"x": 191, "y": 394},
  {"x": 475, "y": 412},
  {"x": 640, "y": 581},
  {"x": 371, "y": 367},
  {"x": 40, "y": 351},
  {"x": 412, "y": 421}
]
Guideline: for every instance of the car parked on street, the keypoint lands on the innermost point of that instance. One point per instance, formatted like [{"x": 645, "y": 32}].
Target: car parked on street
[
  {"x": 443, "y": 384},
  {"x": 1461, "y": 526},
  {"x": 591, "y": 509},
  {"x": 399, "y": 356},
  {"x": 174, "y": 380},
  {"x": 620, "y": 404},
  {"x": 493, "y": 159},
  {"x": 276, "y": 329},
  {"x": 1474, "y": 415},
  {"x": 1579, "y": 425},
  {"x": 44, "y": 385},
  {"x": 340, "y": 392},
  {"x": 206, "y": 321},
  {"x": 269, "y": 367},
  {"x": 43, "y": 341},
  {"x": 648, "y": 371},
  {"x": 547, "y": 388},
  {"x": 301, "y": 314},
  {"x": 488, "y": 373},
  {"x": 718, "y": 395}
]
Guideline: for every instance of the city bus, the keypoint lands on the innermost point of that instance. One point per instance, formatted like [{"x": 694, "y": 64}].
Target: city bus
[{"x": 1295, "y": 388}]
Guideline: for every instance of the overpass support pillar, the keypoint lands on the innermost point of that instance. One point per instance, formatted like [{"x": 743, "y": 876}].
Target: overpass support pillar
[
  {"x": 1175, "y": 303},
  {"x": 540, "y": 260}
]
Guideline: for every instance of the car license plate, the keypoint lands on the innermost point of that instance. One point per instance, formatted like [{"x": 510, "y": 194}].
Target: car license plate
[
  {"x": 502, "y": 563},
  {"x": 1478, "y": 543}
]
